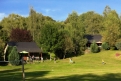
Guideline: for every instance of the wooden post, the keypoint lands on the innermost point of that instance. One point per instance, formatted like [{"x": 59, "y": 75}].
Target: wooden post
[{"x": 23, "y": 68}]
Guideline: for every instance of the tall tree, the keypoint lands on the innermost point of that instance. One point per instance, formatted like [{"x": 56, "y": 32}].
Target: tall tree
[
  {"x": 106, "y": 11},
  {"x": 112, "y": 28},
  {"x": 92, "y": 22},
  {"x": 77, "y": 32},
  {"x": 66, "y": 44},
  {"x": 32, "y": 21},
  {"x": 48, "y": 38}
]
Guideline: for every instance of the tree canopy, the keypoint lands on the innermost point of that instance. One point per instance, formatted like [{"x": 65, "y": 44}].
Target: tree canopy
[{"x": 61, "y": 37}]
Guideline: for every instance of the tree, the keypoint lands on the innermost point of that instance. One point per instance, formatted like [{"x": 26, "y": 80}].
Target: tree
[
  {"x": 76, "y": 31},
  {"x": 66, "y": 43},
  {"x": 20, "y": 35},
  {"x": 106, "y": 11},
  {"x": 14, "y": 57},
  {"x": 92, "y": 22},
  {"x": 33, "y": 19},
  {"x": 105, "y": 46},
  {"x": 12, "y": 21},
  {"x": 1, "y": 49},
  {"x": 118, "y": 44},
  {"x": 2, "y": 56},
  {"x": 94, "y": 48},
  {"x": 112, "y": 28},
  {"x": 49, "y": 37}
]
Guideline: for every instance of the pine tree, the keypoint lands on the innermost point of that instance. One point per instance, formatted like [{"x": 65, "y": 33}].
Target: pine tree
[
  {"x": 13, "y": 57},
  {"x": 94, "y": 48}
]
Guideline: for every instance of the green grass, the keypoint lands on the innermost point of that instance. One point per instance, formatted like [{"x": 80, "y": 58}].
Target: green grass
[{"x": 87, "y": 67}]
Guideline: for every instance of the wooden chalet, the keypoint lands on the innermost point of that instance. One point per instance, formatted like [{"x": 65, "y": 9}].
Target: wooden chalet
[
  {"x": 30, "y": 47},
  {"x": 92, "y": 38}
]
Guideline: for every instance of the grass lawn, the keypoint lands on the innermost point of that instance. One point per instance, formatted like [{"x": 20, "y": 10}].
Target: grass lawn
[{"x": 87, "y": 67}]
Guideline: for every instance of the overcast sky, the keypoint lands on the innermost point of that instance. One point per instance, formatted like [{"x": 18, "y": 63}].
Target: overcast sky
[{"x": 56, "y": 9}]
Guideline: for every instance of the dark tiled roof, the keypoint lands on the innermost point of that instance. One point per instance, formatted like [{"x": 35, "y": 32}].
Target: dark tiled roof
[
  {"x": 91, "y": 38},
  {"x": 25, "y": 46}
]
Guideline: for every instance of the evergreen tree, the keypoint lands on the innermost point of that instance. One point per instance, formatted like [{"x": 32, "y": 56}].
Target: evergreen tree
[
  {"x": 94, "y": 48},
  {"x": 14, "y": 57}
]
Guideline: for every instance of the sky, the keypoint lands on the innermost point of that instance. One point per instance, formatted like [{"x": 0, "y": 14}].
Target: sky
[{"x": 56, "y": 9}]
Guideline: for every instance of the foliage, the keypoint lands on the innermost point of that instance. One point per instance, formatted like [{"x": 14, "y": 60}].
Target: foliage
[
  {"x": 14, "y": 57},
  {"x": 11, "y": 22},
  {"x": 67, "y": 43},
  {"x": 92, "y": 22},
  {"x": 106, "y": 11},
  {"x": 20, "y": 35},
  {"x": 118, "y": 45},
  {"x": 113, "y": 48},
  {"x": 36, "y": 22},
  {"x": 52, "y": 55},
  {"x": 61, "y": 37},
  {"x": 76, "y": 31},
  {"x": 111, "y": 21},
  {"x": 1, "y": 49},
  {"x": 49, "y": 37},
  {"x": 94, "y": 48},
  {"x": 105, "y": 46},
  {"x": 8, "y": 51}
]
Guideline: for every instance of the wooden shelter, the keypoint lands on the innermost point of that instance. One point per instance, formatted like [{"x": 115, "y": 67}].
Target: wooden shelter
[
  {"x": 92, "y": 38},
  {"x": 30, "y": 47}
]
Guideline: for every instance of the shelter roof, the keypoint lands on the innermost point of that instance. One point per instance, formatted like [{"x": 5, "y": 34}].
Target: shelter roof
[
  {"x": 92, "y": 38},
  {"x": 25, "y": 46}
]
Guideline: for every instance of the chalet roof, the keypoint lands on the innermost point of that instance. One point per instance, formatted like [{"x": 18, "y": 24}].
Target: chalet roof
[
  {"x": 25, "y": 46},
  {"x": 96, "y": 38}
]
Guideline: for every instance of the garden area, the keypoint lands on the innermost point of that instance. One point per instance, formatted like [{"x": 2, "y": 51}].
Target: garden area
[{"x": 87, "y": 67}]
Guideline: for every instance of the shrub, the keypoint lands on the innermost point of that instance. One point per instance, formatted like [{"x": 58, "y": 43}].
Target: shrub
[
  {"x": 1, "y": 49},
  {"x": 118, "y": 45},
  {"x": 105, "y": 46},
  {"x": 94, "y": 48},
  {"x": 113, "y": 48},
  {"x": 13, "y": 57},
  {"x": 52, "y": 56}
]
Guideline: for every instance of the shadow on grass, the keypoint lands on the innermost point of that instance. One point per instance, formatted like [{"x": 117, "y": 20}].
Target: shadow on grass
[
  {"x": 3, "y": 63},
  {"x": 85, "y": 77},
  {"x": 16, "y": 75}
]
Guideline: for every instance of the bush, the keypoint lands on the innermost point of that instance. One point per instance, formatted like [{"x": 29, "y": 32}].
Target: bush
[
  {"x": 52, "y": 56},
  {"x": 105, "y": 46},
  {"x": 13, "y": 57},
  {"x": 94, "y": 48},
  {"x": 113, "y": 48},
  {"x": 118, "y": 45}
]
